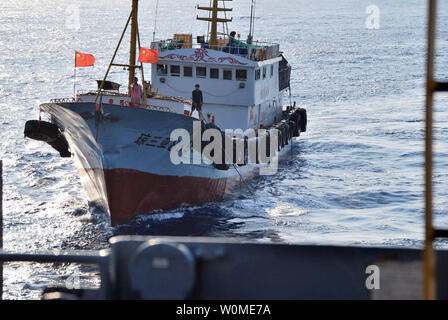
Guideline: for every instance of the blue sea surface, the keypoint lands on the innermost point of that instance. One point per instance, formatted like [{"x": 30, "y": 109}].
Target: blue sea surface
[{"x": 354, "y": 178}]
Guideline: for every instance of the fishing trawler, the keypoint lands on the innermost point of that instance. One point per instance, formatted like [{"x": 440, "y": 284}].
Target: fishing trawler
[{"x": 123, "y": 150}]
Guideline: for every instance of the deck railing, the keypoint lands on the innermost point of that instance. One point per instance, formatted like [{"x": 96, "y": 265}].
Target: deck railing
[{"x": 258, "y": 51}]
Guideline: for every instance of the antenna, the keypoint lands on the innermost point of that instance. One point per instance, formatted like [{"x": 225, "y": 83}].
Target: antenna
[
  {"x": 155, "y": 22},
  {"x": 252, "y": 23}
]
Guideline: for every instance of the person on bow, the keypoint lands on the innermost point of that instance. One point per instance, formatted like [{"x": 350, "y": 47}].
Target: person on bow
[{"x": 136, "y": 93}]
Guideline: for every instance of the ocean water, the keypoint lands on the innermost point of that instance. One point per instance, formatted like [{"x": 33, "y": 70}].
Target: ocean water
[{"x": 355, "y": 178}]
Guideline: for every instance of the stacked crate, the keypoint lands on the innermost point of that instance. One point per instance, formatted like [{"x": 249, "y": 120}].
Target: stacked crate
[{"x": 186, "y": 38}]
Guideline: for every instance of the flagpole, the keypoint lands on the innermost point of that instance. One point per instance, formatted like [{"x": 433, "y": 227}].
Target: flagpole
[{"x": 74, "y": 79}]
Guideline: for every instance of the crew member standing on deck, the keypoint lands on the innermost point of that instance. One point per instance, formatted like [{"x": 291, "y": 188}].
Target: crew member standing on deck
[
  {"x": 136, "y": 93},
  {"x": 197, "y": 101}
]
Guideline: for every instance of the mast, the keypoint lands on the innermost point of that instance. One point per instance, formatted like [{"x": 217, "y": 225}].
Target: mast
[
  {"x": 132, "y": 53},
  {"x": 215, "y": 9},
  {"x": 133, "y": 44}
]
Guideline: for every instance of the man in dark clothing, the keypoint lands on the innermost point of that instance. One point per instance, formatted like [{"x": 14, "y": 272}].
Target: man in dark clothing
[
  {"x": 197, "y": 100},
  {"x": 232, "y": 39}
]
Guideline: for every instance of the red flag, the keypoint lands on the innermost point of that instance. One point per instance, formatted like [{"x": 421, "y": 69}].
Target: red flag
[
  {"x": 84, "y": 59},
  {"x": 148, "y": 55}
]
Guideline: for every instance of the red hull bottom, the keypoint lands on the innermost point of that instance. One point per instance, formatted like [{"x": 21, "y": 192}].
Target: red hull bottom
[{"x": 131, "y": 192}]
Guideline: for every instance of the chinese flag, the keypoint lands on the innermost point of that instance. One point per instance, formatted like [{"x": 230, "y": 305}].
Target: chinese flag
[
  {"x": 148, "y": 55},
  {"x": 84, "y": 59}
]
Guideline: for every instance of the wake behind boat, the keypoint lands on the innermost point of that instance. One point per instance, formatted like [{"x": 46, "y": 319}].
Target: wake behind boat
[{"x": 156, "y": 153}]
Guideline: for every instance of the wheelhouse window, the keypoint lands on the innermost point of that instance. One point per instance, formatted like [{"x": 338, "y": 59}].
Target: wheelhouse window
[
  {"x": 272, "y": 70},
  {"x": 227, "y": 74},
  {"x": 201, "y": 72},
  {"x": 214, "y": 73},
  {"x": 264, "y": 72},
  {"x": 241, "y": 75},
  {"x": 188, "y": 72},
  {"x": 257, "y": 74},
  {"x": 162, "y": 69},
  {"x": 175, "y": 71}
]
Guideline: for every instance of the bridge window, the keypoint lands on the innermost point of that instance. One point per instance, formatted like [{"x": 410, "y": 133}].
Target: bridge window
[
  {"x": 175, "y": 71},
  {"x": 241, "y": 75},
  {"x": 162, "y": 69},
  {"x": 214, "y": 73},
  {"x": 257, "y": 74},
  {"x": 272, "y": 70},
  {"x": 188, "y": 72},
  {"x": 227, "y": 74},
  {"x": 264, "y": 72},
  {"x": 201, "y": 72}
]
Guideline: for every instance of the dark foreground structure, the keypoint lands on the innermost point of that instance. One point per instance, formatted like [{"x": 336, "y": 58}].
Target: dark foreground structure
[{"x": 138, "y": 267}]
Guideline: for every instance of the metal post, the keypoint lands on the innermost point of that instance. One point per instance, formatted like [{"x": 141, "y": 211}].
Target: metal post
[
  {"x": 429, "y": 287},
  {"x": 132, "y": 51},
  {"x": 74, "y": 79},
  {"x": 1, "y": 227},
  {"x": 155, "y": 22},
  {"x": 145, "y": 97}
]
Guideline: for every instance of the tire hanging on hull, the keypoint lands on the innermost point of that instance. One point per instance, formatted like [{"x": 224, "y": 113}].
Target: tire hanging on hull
[
  {"x": 303, "y": 119},
  {"x": 223, "y": 165},
  {"x": 49, "y": 133}
]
